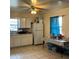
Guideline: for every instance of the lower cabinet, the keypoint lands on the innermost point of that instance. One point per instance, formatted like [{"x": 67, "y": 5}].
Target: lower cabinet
[{"x": 20, "y": 40}]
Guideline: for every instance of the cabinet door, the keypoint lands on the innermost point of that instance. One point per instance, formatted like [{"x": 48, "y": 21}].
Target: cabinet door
[
  {"x": 26, "y": 40},
  {"x": 28, "y": 23},
  {"x": 22, "y": 23},
  {"x": 23, "y": 40},
  {"x": 11, "y": 42},
  {"x": 17, "y": 41}
]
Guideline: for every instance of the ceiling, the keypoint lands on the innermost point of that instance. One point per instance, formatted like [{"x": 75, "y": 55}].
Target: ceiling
[{"x": 19, "y": 8}]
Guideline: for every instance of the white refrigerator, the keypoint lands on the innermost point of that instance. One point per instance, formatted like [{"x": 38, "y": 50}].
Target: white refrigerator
[{"x": 38, "y": 33}]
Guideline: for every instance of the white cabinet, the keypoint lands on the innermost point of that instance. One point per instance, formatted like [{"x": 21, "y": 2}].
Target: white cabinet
[
  {"x": 22, "y": 22},
  {"x": 26, "y": 40},
  {"x": 21, "y": 40},
  {"x": 38, "y": 32},
  {"x": 28, "y": 23},
  {"x": 25, "y": 23},
  {"x": 15, "y": 41}
]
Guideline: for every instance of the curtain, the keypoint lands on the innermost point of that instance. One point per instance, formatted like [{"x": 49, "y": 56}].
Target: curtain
[{"x": 54, "y": 26}]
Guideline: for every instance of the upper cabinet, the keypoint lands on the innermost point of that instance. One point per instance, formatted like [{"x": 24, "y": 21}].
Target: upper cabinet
[
  {"x": 22, "y": 22},
  {"x": 25, "y": 23},
  {"x": 28, "y": 23}
]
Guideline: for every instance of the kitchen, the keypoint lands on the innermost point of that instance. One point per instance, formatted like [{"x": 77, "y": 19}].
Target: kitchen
[
  {"x": 35, "y": 29},
  {"x": 27, "y": 32}
]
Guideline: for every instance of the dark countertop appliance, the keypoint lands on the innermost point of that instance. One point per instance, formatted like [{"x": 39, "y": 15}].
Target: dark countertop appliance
[{"x": 24, "y": 30}]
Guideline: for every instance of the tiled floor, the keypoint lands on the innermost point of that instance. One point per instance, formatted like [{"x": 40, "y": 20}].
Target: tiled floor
[{"x": 34, "y": 52}]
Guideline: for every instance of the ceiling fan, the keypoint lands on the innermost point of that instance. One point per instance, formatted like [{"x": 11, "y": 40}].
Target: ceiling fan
[{"x": 32, "y": 6}]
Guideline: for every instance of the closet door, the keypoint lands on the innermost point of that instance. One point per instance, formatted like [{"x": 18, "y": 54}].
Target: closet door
[{"x": 38, "y": 37}]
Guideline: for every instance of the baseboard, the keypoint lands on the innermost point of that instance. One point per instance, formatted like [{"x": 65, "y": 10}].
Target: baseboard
[
  {"x": 38, "y": 44},
  {"x": 20, "y": 46}
]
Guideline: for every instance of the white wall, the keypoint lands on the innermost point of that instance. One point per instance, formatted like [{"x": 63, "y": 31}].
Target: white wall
[{"x": 58, "y": 12}]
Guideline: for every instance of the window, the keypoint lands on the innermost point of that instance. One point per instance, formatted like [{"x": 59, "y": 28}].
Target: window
[
  {"x": 14, "y": 24},
  {"x": 56, "y": 25},
  {"x": 60, "y": 24}
]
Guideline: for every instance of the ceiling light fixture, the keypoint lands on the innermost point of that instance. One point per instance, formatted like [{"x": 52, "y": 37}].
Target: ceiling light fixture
[
  {"x": 59, "y": 2},
  {"x": 33, "y": 12}
]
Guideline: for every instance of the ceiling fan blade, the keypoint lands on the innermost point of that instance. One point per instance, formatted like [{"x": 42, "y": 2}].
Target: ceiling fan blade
[
  {"x": 46, "y": 2},
  {"x": 25, "y": 5},
  {"x": 33, "y": 2},
  {"x": 40, "y": 8},
  {"x": 27, "y": 1}
]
